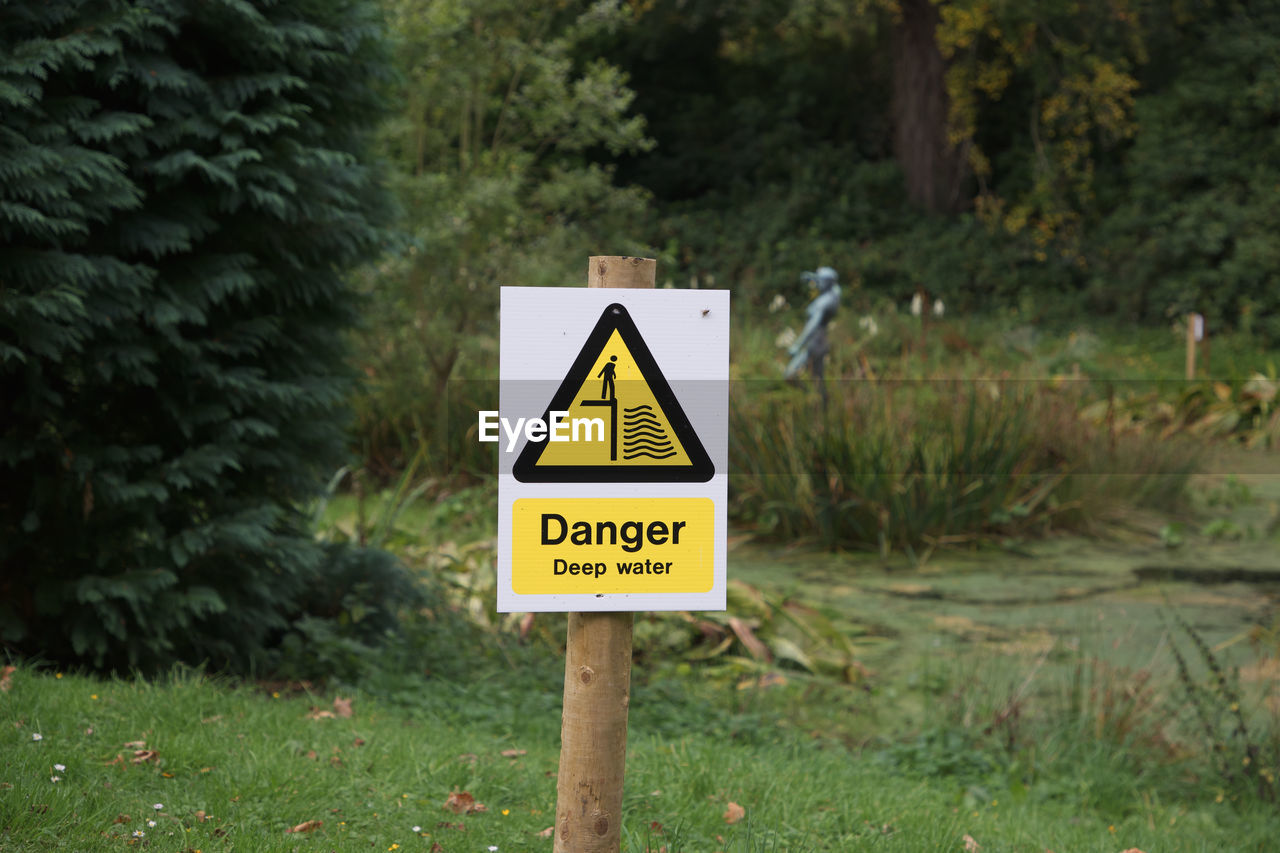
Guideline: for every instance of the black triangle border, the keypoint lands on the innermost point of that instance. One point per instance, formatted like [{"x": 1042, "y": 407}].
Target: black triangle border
[{"x": 700, "y": 469}]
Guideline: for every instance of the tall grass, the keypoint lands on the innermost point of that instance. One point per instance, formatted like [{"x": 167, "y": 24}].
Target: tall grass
[{"x": 915, "y": 465}]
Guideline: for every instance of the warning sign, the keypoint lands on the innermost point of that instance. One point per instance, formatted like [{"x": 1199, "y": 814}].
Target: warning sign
[
  {"x": 612, "y": 446},
  {"x": 613, "y": 545},
  {"x": 634, "y": 428}
]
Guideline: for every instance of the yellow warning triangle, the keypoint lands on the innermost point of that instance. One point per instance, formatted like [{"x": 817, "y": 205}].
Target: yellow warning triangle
[{"x": 623, "y": 422}]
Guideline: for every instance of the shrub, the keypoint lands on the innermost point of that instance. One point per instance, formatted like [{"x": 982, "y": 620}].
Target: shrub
[{"x": 180, "y": 188}]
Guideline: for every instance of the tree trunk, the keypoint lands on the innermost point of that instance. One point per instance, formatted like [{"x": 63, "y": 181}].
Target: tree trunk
[{"x": 935, "y": 170}]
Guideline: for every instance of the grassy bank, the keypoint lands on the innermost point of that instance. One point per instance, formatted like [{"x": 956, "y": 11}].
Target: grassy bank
[{"x": 195, "y": 764}]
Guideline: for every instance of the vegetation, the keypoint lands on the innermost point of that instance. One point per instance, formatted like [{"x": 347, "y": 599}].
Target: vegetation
[
  {"x": 495, "y": 188},
  {"x": 182, "y": 186},
  {"x": 1032, "y": 617}
]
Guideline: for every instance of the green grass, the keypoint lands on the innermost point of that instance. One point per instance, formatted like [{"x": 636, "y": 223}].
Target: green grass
[{"x": 256, "y": 765}]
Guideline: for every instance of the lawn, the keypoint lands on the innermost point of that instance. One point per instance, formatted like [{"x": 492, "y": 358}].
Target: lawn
[{"x": 196, "y": 763}]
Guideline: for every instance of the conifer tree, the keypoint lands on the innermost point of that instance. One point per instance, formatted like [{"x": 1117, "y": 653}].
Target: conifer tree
[{"x": 181, "y": 189}]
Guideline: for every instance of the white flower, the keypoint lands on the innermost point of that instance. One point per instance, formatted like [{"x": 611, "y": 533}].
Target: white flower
[
  {"x": 917, "y": 305},
  {"x": 59, "y": 767},
  {"x": 158, "y": 806},
  {"x": 786, "y": 339},
  {"x": 417, "y": 829},
  {"x": 55, "y": 778},
  {"x": 493, "y": 848},
  {"x": 779, "y": 303},
  {"x": 868, "y": 324},
  {"x": 138, "y": 833},
  {"x": 37, "y": 736},
  {"x": 151, "y": 823},
  {"x": 938, "y": 308}
]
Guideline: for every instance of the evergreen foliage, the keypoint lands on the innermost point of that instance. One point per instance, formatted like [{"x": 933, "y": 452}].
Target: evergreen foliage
[{"x": 180, "y": 189}]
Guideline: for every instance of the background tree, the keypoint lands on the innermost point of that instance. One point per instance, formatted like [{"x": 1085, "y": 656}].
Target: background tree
[
  {"x": 493, "y": 174},
  {"x": 181, "y": 186}
]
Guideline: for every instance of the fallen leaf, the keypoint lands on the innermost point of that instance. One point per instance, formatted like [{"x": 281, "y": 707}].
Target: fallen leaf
[
  {"x": 319, "y": 714},
  {"x": 358, "y": 741},
  {"x": 655, "y": 827},
  {"x": 212, "y": 719},
  {"x": 461, "y": 802},
  {"x": 122, "y": 818},
  {"x": 5, "y": 683},
  {"x": 469, "y": 757},
  {"x": 142, "y": 756},
  {"x": 734, "y": 813},
  {"x": 201, "y": 815},
  {"x": 758, "y": 650},
  {"x": 548, "y": 832},
  {"x": 514, "y": 753},
  {"x": 306, "y": 826},
  {"x": 342, "y": 707},
  {"x": 135, "y": 744},
  {"x": 311, "y": 754},
  {"x": 970, "y": 845},
  {"x": 436, "y": 848}
]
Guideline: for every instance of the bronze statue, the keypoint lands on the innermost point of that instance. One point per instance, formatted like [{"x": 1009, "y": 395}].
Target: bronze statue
[{"x": 811, "y": 346}]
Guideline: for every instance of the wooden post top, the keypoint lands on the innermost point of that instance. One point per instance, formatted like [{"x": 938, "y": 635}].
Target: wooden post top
[{"x": 621, "y": 271}]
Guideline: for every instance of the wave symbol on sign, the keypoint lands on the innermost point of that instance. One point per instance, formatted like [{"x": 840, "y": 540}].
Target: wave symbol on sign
[{"x": 643, "y": 434}]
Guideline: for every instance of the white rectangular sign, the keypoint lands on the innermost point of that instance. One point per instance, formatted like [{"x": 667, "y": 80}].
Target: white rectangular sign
[{"x": 613, "y": 449}]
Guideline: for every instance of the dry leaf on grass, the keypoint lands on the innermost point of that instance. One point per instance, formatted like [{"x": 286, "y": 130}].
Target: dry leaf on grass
[
  {"x": 970, "y": 845},
  {"x": 305, "y": 826},
  {"x": 548, "y": 832},
  {"x": 319, "y": 714},
  {"x": 734, "y": 813},
  {"x": 758, "y": 650},
  {"x": 342, "y": 707},
  {"x": 461, "y": 802},
  {"x": 5, "y": 683},
  {"x": 142, "y": 756},
  {"x": 135, "y": 744},
  {"x": 514, "y": 753}
]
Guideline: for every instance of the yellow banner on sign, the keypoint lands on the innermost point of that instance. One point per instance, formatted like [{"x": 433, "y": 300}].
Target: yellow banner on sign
[{"x": 612, "y": 545}]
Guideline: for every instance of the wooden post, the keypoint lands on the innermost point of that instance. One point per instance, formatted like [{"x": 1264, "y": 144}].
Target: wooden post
[
  {"x": 1190, "y": 370},
  {"x": 597, "y": 680}
]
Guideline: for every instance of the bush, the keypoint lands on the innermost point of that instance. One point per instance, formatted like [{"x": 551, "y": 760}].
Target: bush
[{"x": 180, "y": 188}]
